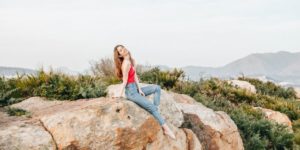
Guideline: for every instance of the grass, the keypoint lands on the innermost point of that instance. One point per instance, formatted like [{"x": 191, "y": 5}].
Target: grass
[{"x": 17, "y": 112}]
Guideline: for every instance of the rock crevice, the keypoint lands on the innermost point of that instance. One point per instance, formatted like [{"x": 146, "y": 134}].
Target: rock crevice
[
  {"x": 120, "y": 124},
  {"x": 41, "y": 122}
]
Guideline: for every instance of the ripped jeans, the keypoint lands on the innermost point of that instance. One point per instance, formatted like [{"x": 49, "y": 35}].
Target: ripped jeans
[{"x": 133, "y": 95}]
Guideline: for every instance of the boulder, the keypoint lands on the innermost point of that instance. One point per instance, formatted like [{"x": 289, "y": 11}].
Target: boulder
[
  {"x": 168, "y": 106},
  {"x": 182, "y": 98},
  {"x": 18, "y": 133},
  {"x": 243, "y": 84},
  {"x": 297, "y": 90},
  {"x": 38, "y": 105},
  {"x": 276, "y": 116},
  {"x": 105, "y": 123},
  {"x": 215, "y": 129}
]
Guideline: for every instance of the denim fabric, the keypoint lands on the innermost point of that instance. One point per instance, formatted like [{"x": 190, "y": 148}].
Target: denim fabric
[{"x": 132, "y": 94}]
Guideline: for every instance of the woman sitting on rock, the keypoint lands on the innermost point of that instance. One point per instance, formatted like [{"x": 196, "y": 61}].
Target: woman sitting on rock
[{"x": 125, "y": 70}]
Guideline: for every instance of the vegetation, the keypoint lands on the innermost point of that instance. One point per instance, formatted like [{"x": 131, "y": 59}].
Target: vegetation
[
  {"x": 166, "y": 79},
  {"x": 256, "y": 131},
  {"x": 17, "y": 111},
  {"x": 104, "y": 69},
  {"x": 51, "y": 85},
  {"x": 271, "y": 89}
]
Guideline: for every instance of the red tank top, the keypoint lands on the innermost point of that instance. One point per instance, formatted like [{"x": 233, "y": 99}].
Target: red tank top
[{"x": 131, "y": 75}]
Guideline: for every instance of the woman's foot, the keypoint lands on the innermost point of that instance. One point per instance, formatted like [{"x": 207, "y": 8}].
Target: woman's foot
[{"x": 168, "y": 131}]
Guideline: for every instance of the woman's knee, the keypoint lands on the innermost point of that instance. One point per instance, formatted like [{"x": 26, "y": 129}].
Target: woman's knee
[
  {"x": 153, "y": 108},
  {"x": 143, "y": 102}
]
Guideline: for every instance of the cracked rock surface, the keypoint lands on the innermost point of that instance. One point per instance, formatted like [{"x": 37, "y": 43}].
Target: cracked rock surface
[
  {"x": 117, "y": 124},
  {"x": 99, "y": 123}
]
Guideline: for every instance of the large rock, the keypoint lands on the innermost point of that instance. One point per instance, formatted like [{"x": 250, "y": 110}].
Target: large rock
[
  {"x": 182, "y": 98},
  {"x": 38, "y": 106},
  {"x": 214, "y": 129},
  {"x": 18, "y": 133},
  {"x": 297, "y": 92},
  {"x": 276, "y": 116},
  {"x": 187, "y": 141},
  {"x": 168, "y": 106},
  {"x": 105, "y": 123},
  {"x": 243, "y": 84}
]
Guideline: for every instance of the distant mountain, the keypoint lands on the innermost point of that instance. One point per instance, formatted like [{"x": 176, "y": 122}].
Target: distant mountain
[
  {"x": 278, "y": 64},
  {"x": 279, "y": 67},
  {"x": 12, "y": 71}
]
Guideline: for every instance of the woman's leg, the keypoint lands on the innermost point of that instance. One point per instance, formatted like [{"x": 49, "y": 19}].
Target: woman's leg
[
  {"x": 147, "y": 90},
  {"x": 146, "y": 104}
]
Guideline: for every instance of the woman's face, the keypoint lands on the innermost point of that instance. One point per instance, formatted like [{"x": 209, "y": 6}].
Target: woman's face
[{"x": 122, "y": 51}]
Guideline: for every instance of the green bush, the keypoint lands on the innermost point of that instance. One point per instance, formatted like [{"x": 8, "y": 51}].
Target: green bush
[
  {"x": 271, "y": 89},
  {"x": 187, "y": 87},
  {"x": 8, "y": 91},
  {"x": 166, "y": 79},
  {"x": 216, "y": 88},
  {"x": 297, "y": 137},
  {"x": 51, "y": 85},
  {"x": 257, "y": 132},
  {"x": 16, "y": 111}
]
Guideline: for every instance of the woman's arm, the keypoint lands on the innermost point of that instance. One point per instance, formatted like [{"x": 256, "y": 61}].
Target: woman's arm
[{"x": 125, "y": 70}]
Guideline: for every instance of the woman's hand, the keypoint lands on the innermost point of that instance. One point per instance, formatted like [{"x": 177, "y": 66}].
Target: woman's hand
[{"x": 141, "y": 92}]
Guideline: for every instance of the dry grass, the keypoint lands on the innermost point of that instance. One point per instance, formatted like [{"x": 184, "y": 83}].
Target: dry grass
[{"x": 103, "y": 68}]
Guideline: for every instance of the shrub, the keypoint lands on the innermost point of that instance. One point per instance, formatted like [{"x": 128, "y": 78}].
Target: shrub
[
  {"x": 271, "y": 89},
  {"x": 220, "y": 89},
  {"x": 103, "y": 68},
  {"x": 51, "y": 85},
  {"x": 261, "y": 133},
  {"x": 187, "y": 87},
  {"x": 256, "y": 131},
  {"x": 166, "y": 79},
  {"x": 17, "y": 111}
]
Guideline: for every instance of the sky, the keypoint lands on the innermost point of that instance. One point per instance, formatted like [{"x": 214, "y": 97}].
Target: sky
[{"x": 176, "y": 33}]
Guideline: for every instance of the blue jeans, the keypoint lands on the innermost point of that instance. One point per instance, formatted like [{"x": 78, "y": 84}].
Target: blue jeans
[{"x": 132, "y": 94}]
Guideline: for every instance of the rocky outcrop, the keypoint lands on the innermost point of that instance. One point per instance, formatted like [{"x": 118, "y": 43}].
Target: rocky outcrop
[
  {"x": 20, "y": 133},
  {"x": 215, "y": 129},
  {"x": 182, "y": 98},
  {"x": 100, "y": 123},
  {"x": 297, "y": 90},
  {"x": 119, "y": 124},
  {"x": 276, "y": 117},
  {"x": 243, "y": 84},
  {"x": 168, "y": 106}
]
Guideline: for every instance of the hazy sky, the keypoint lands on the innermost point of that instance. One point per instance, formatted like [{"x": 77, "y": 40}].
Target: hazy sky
[{"x": 176, "y": 33}]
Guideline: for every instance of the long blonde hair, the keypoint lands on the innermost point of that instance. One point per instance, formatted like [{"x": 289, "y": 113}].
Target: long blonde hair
[{"x": 118, "y": 59}]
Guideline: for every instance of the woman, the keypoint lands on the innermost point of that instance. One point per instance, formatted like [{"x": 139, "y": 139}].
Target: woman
[{"x": 125, "y": 70}]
